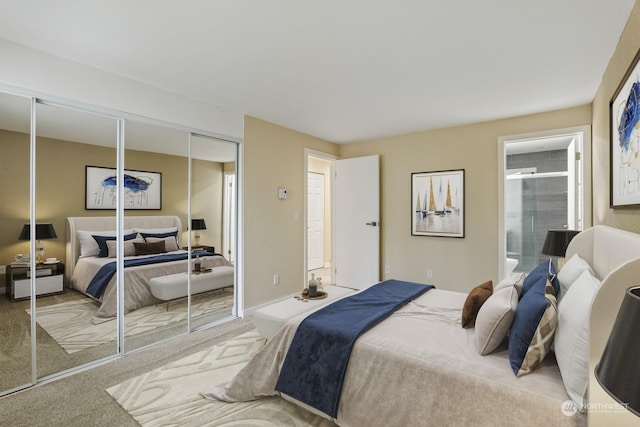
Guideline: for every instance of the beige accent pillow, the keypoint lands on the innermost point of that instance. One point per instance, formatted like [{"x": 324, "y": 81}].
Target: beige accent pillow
[
  {"x": 129, "y": 249},
  {"x": 170, "y": 243},
  {"x": 514, "y": 279},
  {"x": 495, "y": 317},
  {"x": 474, "y": 301}
]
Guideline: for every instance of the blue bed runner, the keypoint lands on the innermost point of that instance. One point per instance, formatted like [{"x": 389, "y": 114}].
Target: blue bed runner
[
  {"x": 99, "y": 282},
  {"x": 316, "y": 363}
]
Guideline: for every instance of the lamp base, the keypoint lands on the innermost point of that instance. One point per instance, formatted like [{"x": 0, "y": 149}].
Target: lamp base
[{"x": 40, "y": 252}]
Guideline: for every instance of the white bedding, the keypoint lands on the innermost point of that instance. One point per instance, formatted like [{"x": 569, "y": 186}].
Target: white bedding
[
  {"x": 420, "y": 367},
  {"x": 136, "y": 281}
]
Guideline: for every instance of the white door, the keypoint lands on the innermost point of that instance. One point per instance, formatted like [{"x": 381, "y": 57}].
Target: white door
[
  {"x": 315, "y": 220},
  {"x": 229, "y": 226},
  {"x": 357, "y": 222}
]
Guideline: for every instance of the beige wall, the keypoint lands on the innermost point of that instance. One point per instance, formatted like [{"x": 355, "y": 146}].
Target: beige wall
[
  {"x": 60, "y": 190},
  {"x": 628, "y": 46},
  {"x": 273, "y": 237},
  {"x": 274, "y": 157},
  {"x": 627, "y": 219},
  {"x": 457, "y": 264},
  {"x": 207, "y": 201}
]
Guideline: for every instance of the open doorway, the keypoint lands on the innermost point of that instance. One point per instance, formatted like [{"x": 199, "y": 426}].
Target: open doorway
[
  {"x": 318, "y": 217},
  {"x": 542, "y": 190}
]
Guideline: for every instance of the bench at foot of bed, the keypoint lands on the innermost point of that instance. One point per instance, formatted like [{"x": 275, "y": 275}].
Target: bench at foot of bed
[
  {"x": 174, "y": 286},
  {"x": 270, "y": 318}
]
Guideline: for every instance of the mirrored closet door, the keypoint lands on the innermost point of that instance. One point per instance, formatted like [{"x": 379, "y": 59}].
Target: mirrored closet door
[
  {"x": 15, "y": 320},
  {"x": 86, "y": 191},
  {"x": 156, "y": 186},
  {"x": 73, "y": 326},
  {"x": 213, "y": 288}
]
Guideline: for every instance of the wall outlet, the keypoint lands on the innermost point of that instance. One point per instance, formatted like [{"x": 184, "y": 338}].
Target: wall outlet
[
  {"x": 276, "y": 279},
  {"x": 429, "y": 274},
  {"x": 3, "y": 269},
  {"x": 387, "y": 269}
]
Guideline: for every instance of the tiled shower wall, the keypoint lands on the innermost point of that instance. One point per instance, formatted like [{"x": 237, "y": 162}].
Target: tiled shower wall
[{"x": 539, "y": 205}]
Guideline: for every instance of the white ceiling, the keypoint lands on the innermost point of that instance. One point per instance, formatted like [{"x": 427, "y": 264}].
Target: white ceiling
[{"x": 341, "y": 70}]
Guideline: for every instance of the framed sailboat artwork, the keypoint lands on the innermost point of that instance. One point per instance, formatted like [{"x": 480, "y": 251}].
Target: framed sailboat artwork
[{"x": 437, "y": 203}]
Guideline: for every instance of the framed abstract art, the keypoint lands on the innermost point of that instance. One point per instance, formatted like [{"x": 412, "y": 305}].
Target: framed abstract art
[{"x": 625, "y": 139}]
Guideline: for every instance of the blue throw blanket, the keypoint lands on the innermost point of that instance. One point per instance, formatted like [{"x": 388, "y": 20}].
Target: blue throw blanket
[
  {"x": 99, "y": 282},
  {"x": 316, "y": 363}
]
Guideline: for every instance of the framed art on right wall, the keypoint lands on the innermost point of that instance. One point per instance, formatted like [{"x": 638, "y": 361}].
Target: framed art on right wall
[{"x": 625, "y": 139}]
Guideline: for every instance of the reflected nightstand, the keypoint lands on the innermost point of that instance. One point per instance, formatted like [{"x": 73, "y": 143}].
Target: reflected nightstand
[
  {"x": 211, "y": 249},
  {"x": 49, "y": 280}
]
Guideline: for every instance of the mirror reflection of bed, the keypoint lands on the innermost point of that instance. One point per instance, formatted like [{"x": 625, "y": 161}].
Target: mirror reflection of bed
[{"x": 154, "y": 276}]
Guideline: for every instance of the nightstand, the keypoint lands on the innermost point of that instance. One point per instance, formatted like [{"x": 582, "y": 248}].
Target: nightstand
[
  {"x": 49, "y": 280},
  {"x": 211, "y": 249}
]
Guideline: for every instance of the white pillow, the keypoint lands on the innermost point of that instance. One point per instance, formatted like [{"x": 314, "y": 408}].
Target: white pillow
[
  {"x": 495, "y": 317},
  {"x": 570, "y": 272},
  {"x": 170, "y": 243},
  {"x": 89, "y": 246},
  {"x": 571, "y": 342},
  {"x": 129, "y": 247}
]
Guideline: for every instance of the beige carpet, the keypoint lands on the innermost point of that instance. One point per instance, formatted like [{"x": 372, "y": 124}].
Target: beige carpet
[
  {"x": 69, "y": 323},
  {"x": 169, "y": 396}
]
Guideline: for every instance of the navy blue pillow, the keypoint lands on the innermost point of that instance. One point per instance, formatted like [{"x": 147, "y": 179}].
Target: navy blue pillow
[
  {"x": 102, "y": 242},
  {"x": 541, "y": 272},
  {"x": 529, "y": 312}
]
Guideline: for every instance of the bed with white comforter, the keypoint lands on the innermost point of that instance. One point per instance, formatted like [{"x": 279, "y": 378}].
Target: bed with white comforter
[{"x": 419, "y": 367}]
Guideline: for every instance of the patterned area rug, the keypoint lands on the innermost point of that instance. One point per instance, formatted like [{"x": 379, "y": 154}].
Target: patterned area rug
[
  {"x": 69, "y": 323},
  {"x": 169, "y": 396}
]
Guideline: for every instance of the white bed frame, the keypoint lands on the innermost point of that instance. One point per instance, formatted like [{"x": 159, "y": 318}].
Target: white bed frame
[
  {"x": 614, "y": 256},
  {"x": 108, "y": 223}
]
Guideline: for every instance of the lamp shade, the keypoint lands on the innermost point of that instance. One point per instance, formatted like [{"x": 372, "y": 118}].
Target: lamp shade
[
  {"x": 43, "y": 231},
  {"x": 198, "y": 224},
  {"x": 619, "y": 369},
  {"x": 557, "y": 241}
]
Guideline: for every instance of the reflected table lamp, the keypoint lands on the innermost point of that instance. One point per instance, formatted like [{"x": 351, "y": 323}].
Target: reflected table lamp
[
  {"x": 556, "y": 242},
  {"x": 43, "y": 231},
  {"x": 619, "y": 369},
  {"x": 196, "y": 226}
]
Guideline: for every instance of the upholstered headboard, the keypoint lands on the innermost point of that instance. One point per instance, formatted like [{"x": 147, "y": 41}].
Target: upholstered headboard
[
  {"x": 614, "y": 256},
  {"x": 605, "y": 248},
  {"x": 108, "y": 223}
]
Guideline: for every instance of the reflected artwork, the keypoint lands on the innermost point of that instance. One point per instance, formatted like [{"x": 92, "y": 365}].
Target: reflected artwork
[{"x": 142, "y": 189}]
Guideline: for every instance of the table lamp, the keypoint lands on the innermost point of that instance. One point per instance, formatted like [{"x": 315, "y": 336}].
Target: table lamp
[
  {"x": 619, "y": 369},
  {"x": 196, "y": 226},
  {"x": 556, "y": 242},
  {"x": 43, "y": 231}
]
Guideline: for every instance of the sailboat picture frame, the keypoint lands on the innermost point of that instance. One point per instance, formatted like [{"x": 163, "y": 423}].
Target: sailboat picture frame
[{"x": 437, "y": 203}]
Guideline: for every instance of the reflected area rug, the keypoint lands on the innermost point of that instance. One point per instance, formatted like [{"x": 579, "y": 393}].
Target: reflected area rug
[
  {"x": 69, "y": 323},
  {"x": 170, "y": 395}
]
